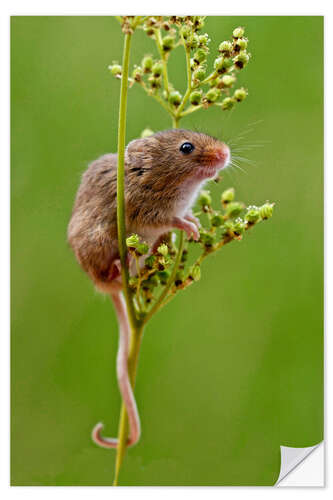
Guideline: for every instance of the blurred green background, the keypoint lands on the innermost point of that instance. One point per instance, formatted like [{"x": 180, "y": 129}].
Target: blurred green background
[{"x": 233, "y": 368}]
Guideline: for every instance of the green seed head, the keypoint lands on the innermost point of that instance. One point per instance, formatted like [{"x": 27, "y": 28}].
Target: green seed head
[
  {"x": 150, "y": 261},
  {"x": 168, "y": 43},
  {"x": 195, "y": 97},
  {"x": 217, "y": 220},
  {"x": 222, "y": 64},
  {"x": 241, "y": 59},
  {"x": 142, "y": 249},
  {"x": 266, "y": 210},
  {"x": 240, "y": 94},
  {"x": 175, "y": 98},
  {"x": 205, "y": 199},
  {"x": 238, "y": 32},
  {"x": 157, "y": 69},
  {"x": 252, "y": 214},
  {"x": 212, "y": 95},
  {"x": 204, "y": 39},
  {"x": 207, "y": 239},
  {"x": 155, "y": 82},
  {"x": 179, "y": 278},
  {"x": 227, "y": 103},
  {"x": 199, "y": 74},
  {"x": 137, "y": 74},
  {"x": 147, "y": 64},
  {"x": 228, "y": 80},
  {"x": 115, "y": 69},
  {"x": 200, "y": 56},
  {"x": 163, "y": 277},
  {"x": 163, "y": 249},
  {"x": 234, "y": 208},
  {"x": 185, "y": 31},
  {"x": 241, "y": 43},
  {"x": 227, "y": 196},
  {"x": 239, "y": 226},
  {"x": 147, "y": 132},
  {"x": 132, "y": 241},
  {"x": 195, "y": 273},
  {"x": 225, "y": 48}
]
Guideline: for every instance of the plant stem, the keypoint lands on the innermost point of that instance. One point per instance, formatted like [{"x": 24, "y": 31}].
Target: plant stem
[
  {"x": 121, "y": 182},
  {"x": 158, "y": 39},
  {"x": 136, "y": 326}
]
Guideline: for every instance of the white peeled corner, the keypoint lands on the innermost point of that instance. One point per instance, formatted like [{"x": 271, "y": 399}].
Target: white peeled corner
[{"x": 313, "y": 473}]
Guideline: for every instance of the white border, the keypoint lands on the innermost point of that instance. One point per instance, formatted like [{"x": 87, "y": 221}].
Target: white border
[{"x": 239, "y": 7}]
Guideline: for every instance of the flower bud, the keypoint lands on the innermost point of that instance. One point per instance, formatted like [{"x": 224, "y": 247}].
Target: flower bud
[
  {"x": 252, "y": 214},
  {"x": 185, "y": 31},
  {"x": 222, "y": 64},
  {"x": 195, "y": 97},
  {"x": 239, "y": 227},
  {"x": 157, "y": 69},
  {"x": 179, "y": 278},
  {"x": 207, "y": 239},
  {"x": 266, "y": 210},
  {"x": 217, "y": 220},
  {"x": 147, "y": 132},
  {"x": 212, "y": 95},
  {"x": 228, "y": 80},
  {"x": 137, "y": 74},
  {"x": 150, "y": 261},
  {"x": 199, "y": 74},
  {"x": 168, "y": 43},
  {"x": 234, "y": 208},
  {"x": 163, "y": 249},
  {"x": 175, "y": 98},
  {"x": 155, "y": 82},
  {"x": 163, "y": 276},
  {"x": 204, "y": 39},
  {"x": 238, "y": 32},
  {"x": 193, "y": 41},
  {"x": 227, "y": 103},
  {"x": 240, "y": 94},
  {"x": 205, "y": 199},
  {"x": 166, "y": 26},
  {"x": 225, "y": 48},
  {"x": 195, "y": 273},
  {"x": 147, "y": 64},
  {"x": 241, "y": 59},
  {"x": 241, "y": 44},
  {"x": 198, "y": 22},
  {"x": 115, "y": 69},
  {"x": 132, "y": 241},
  {"x": 227, "y": 196},
  {"x": 199, "y": 56},
  {"x": 142, "y": 249}
]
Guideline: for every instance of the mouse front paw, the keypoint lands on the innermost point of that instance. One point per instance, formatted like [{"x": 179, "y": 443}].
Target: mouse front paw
[
  {"x": 193, "y": 219},
  {"x": 189, "y": 227}
]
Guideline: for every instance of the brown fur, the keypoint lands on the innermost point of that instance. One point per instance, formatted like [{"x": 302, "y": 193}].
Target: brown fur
[{"x": 158, "y": 186}]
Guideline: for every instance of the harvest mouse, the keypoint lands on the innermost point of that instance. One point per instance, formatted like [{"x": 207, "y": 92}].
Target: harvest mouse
[{"x": 163, "y": 175}]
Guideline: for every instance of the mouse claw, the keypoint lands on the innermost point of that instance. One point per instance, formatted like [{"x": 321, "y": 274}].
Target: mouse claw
[
  {"x": 193, "y": 219},
  {"x": 189, "y": 227}
]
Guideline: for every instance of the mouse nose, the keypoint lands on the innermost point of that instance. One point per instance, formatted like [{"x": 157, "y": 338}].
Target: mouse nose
[{"x": 222, "y": 154}]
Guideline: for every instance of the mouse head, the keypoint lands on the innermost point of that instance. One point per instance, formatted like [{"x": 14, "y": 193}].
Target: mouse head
[{"x": 175, "y": 156}]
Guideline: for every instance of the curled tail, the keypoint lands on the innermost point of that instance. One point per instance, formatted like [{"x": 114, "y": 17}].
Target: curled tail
[{"x": 123, "y": 379}]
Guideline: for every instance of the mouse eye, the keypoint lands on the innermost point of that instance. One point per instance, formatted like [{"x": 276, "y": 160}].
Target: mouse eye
[{"x": 186, "y": 148}]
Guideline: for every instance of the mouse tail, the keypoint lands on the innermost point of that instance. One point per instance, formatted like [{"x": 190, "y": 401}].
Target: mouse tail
[{"x": 125, "y": 386}]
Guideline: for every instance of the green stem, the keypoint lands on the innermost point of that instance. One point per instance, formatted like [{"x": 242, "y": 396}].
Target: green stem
[
  {"x": 159, "y": 43},
  {"x": 189, "y": 81},
  {"x": 121, "y": 217}
]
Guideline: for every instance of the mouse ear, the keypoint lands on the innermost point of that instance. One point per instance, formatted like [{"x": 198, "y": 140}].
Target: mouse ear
[{"x": 139, "y": 152}]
